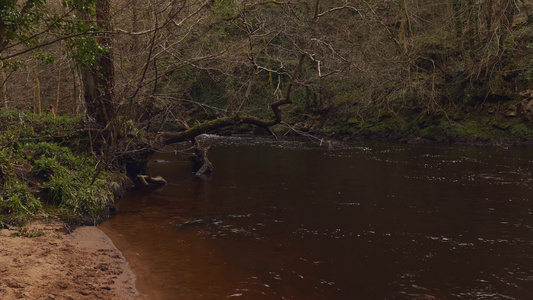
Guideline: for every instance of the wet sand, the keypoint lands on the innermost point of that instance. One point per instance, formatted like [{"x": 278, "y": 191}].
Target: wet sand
[{"x": 81, "y": 265}]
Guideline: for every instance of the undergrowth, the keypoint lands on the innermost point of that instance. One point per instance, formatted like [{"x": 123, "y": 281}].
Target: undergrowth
[
  {"x": 44, "y": 171},
  {"x": 484, "y": 124}
]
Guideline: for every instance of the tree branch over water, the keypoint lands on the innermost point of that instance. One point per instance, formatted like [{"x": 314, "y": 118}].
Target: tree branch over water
[{"x": 191, "y": 133}]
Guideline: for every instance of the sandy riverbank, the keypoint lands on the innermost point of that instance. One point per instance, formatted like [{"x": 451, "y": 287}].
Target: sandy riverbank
[{"x": 81, "y": 265}]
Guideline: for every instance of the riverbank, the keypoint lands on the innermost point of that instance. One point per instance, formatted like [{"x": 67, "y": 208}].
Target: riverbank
[
  {"x": 489, "y": 124},
  {"x": 83, "y": 264}
]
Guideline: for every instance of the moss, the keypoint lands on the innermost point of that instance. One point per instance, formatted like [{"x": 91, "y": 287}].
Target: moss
[
  {"x": 521, "y": 131},
  {"x": 483, "y": 123}
]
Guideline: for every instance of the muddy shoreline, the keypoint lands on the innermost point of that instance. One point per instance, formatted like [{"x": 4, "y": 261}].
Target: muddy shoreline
[{"x": 83, "y": 264}]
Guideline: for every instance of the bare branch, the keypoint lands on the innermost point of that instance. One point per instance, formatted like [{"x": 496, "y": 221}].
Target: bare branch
[
  {"x": 49, "y": 43},
  {"x": 318, "y": 15}
]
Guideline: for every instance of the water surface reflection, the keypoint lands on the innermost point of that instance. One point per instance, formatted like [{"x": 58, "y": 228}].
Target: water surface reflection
[{"x": 292, "y": 220}]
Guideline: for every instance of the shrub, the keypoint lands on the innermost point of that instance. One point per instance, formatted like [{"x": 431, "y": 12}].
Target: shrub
[
  {"x": 19, "y": 203},
  {"x": 34, "y": 159}
]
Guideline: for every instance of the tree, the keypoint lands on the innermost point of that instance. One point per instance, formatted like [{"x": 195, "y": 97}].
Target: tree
[
  {"x": 98, "y": 75},
  {"x": 17, "y": 20},
  {"x": 159, "y": 72},
  {"x": 216, "y": 64}
]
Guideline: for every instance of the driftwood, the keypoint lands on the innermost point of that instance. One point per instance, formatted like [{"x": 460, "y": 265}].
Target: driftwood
[
  {"x": 147, "y": 180},
  {"x": 200, "y": 160}
]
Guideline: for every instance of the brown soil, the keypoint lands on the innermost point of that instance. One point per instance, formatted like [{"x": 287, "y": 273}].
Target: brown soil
[{"x": 81, "y": 265}]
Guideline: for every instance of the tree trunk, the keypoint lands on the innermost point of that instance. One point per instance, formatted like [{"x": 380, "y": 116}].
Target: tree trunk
[
  {"x": 37, "y": 107},
  {"x": 99, "y": 81},
  {"x": 4, "y": 84}
]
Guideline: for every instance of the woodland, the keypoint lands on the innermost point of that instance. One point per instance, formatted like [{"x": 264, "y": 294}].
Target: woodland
[{"x": 91, "y": 88}]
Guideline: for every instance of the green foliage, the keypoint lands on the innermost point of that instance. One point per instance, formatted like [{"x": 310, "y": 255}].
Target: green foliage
[
  {"x": 33, "y": 161},
  {"x": 5, "y": 165},
  {"x": 526, "y": 73},
  {"x": 70, "y": 180},
  {"x": 14, "y": 64},
  {"x": 29, "y": 233},
  {"x": 45, "y": 57},
  {"x": 18, "y": 201},
  {"x": 86, "y": 50},
  {"x": 22, "y": 23},
  {"x": 225, "y": 9},
  {"x": 15, "y": 124},
  {"x": 84, "y": 6},
  {"x": 521, "y": 131},
  {"x": 19, "y": 19}
]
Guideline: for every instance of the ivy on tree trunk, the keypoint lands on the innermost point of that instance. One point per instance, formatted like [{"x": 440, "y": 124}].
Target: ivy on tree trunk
[{"x": 99, "y": 79}]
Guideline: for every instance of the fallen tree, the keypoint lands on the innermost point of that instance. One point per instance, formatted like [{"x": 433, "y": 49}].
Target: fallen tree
[
  {"x": 136, "y": 163},
  {"x": 233, "y": 50}
]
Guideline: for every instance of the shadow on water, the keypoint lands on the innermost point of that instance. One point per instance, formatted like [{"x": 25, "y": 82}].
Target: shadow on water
[{"x": 292, "y": 220}]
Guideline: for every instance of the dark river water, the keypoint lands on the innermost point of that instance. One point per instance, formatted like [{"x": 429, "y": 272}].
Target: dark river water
[{"x": 295, "y": 220}]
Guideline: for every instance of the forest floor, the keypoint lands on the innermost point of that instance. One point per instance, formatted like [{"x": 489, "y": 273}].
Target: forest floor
[{"x": 41, "y": 261}]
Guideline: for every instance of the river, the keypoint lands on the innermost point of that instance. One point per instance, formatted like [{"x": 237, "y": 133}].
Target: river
[{"x": 291, "y": 219}]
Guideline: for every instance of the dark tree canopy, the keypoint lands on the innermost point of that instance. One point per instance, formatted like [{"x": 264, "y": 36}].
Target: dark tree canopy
[{"x": 162, "y": 72}]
